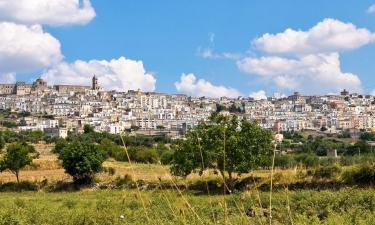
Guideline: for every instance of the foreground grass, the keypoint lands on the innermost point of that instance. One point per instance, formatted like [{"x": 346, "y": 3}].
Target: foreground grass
[{"x": 347, "y": 206}]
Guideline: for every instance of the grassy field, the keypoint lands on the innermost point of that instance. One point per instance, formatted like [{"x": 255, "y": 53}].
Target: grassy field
[
  {"x": 347, "y": 206},
  {"x": 177, "y": 204}
]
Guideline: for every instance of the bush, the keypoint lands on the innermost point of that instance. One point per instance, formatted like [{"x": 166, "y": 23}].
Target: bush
[
  {"x": 285, "y": 161},
  {"x": 328, "y": 161},
  {"x": 363, "y": 175},
  {"x": 143, "y": 155},
  {"x": 60, "y": 144},
  {"x": 146, "y": 156},
  {"x": 2, "y": 143},
  {"x": 123, "y": 180},
  {"x": 21, "y": 186},
  {"x": 9, "y": 124},
  {"x": 110, "y": 170},
  {"x": 307, "y": 160},
  {"x": 356, "y": 159},
  {"x": 166, "y": 157},
  {"x": 82, "y": 160},
  {"x": 327, "y": 172}
]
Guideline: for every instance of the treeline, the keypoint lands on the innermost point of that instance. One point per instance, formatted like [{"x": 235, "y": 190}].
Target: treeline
[
  {"x": 320, "y": 145},
  {"x": 308, "y": 160},
  {"x": 142, "y": 149}
]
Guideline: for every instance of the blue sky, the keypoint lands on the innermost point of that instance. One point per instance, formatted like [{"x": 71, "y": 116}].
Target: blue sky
[{"x": 169, "y": 37}]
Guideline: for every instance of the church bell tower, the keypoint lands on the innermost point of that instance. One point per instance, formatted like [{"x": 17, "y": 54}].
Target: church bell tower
[{"x": 95, "y": 84}]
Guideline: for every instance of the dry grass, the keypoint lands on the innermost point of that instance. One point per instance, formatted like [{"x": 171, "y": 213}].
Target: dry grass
[{"x": 47, "y": 166}]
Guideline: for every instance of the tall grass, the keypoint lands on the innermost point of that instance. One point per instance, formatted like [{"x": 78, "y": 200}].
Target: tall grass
[{"x": 347, "y": 206}]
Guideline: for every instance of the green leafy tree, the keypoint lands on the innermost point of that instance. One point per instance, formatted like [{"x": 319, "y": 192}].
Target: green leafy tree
[
  {"x": 360, "y": 147},
  {"x": 16, "y": 157},
  {"x": 160, "y": 127},
  {"x": 87, "y": 129},
  {"x": 60, "y": 144},
  {"x": 226, "y": 144},
  {"x": 113, "y": 150},
  {"x": 82, "y": 160},
  {"x": 367, "y": 136},
  {"x": 2, "y": 142}
]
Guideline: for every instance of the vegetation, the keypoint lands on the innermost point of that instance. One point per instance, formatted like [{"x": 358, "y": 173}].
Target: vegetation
[
  {"x": 304, "y": 178},
  {"x": 225, "y": 144},
  {"x": 8, "y": 123},
  {"x": 345, "y": 207},
  {"x": 2, "y": 143},
  {"x": 82, "y": 161},
  {"x": 16, "y": 157}
]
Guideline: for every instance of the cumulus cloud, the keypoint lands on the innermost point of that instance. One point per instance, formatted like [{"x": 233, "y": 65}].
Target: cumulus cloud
[
  {"x": 117, "y": 74},
  {"x": 371, "y": 9},
  {"x": 310, "y": 74},
  {"x": 189, "y": 84},
  {"x": 308, "y": 61},
  {"x": 8, "y": 78},
  {"x": 258, "y": 95},
  {"x": 26, "y": 48},
  {"x": 327, "y": 36},
  {"x": 51, "y": 12}
]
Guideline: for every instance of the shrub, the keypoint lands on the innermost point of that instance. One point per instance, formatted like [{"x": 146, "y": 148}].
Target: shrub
[
  {"x": 307, "y": 160},
  {"x": 363, "y": 175},
  {"x": 59, "y": 145},
  {"x": 143, "y": 155},
  {"x": 285, "y": 161},
  {"x": 113, "y": 150},
  {"x": 82, "y": 160},
  {"x": 327, "y": 172},
  {"x": 21, "y": 186},
  {"x": 2, "y": 142},
  {"x": 166, "y": 157},
  {"x": 328, "y": 161},
  {"x": 110, "y": 170},
  {"x": 123, "y": 180}
]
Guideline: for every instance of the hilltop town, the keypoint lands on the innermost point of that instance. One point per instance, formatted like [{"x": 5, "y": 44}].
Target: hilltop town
[{"x": 60, "y": 108}]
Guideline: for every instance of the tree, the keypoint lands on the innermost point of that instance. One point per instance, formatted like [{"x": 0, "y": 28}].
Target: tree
[
  {"x": 82, "y": 160},
  {"x": 160, "y": 127},
  {"x": 60, "y": 144},
  {"x": 226, "y": 144},
  {"x": 2, "y": 142},
  {"x": 16, "y": 157},
  {"x": 360, "y": 147},
  {"x": 87, "y": 129},
  {"x": 367, "y": 136}
]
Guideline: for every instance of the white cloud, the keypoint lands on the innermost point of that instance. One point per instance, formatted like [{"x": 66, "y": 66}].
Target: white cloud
[
  {"x": 327, "y": 36},
  {"x": 371, "y": 9},
  {"x": 309, "y": 74},
  {"x": 26, "y": 48},
  {"x": 209, "y": 52},
  {"x": 8, "y": 78},
  {"x": 308, "y": 61},
  {"x": 278, "y": 95},
  {"x": 117, "y": 74},
  {"x": 51, "y": 12},
  {"x": 258, "y": 95},
  {"x": 189, "y": 84}
]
